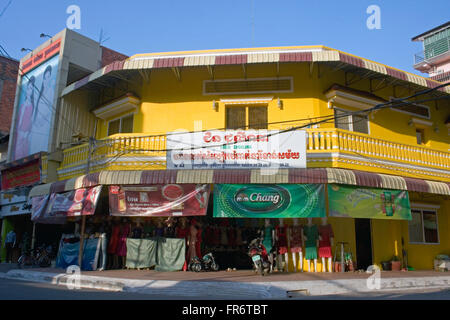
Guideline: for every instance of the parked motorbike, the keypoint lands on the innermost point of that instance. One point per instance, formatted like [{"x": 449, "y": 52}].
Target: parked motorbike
[
  {"x": 207, "y": 263},
  {"x": 39, "y": 257},
  {"x": 258, "y": 253}
]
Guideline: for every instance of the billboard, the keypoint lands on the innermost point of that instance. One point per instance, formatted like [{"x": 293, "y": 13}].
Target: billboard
[
  {"x": 159, "y": 200},
  {"x": 269, "y": 201},
  {"x": 369, "y": 203},
  {"x": 236, "y": 149},
  {"x": 55, "y": 207},
  {"x": 35, "y": 109}
]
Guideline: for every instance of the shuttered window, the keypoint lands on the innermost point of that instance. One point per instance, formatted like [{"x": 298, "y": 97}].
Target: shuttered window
[
  {"x": 122, "y": 125},
  {"x": 251, "y": 117},
  {"x": 356, "y": 122}
]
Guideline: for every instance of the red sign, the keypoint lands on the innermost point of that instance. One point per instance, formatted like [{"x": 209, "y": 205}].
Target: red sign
[
  {"x": 80, "y": 202},
  {"x": 21, "y": 176},
  {"x": 41, "y": 56},
  {"x": 159, "y": 200}
]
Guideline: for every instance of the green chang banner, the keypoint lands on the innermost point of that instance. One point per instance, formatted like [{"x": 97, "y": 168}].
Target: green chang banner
[
  {"x": 269, "y": 200},
  {"x": 356, "y": 202}
]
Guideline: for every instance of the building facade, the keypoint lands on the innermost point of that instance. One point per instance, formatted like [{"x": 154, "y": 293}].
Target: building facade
[{"x": 131, "y": 108}]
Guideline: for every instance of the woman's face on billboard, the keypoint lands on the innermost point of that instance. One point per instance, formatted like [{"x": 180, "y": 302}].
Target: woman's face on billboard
[
  {"x": 29, "y": 89},
  {"x": 47, "y": 77}
]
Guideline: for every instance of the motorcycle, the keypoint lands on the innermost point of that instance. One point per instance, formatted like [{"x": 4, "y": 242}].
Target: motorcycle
[
  {"x": 258, "y": 253},
  {"x": 207, "y": 263}
]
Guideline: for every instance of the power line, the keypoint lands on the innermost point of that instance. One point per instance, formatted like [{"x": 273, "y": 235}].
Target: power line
[
  {"x": 6, "y": 7},
  {"x": 328, "y": 119}
]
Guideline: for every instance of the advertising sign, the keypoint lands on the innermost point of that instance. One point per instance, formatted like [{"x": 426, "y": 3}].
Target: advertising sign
[
  {"x": 356, "y": 202},
  {"x": 35, "y": 109},
  {"x": 269, "y": 201},
  {"x": 27, "y": 174},
  {"x": 159, "y": 200},
  {"x": 54, "y": 208},
  {"x": 234, "y": 149},
  {"x": 41, "y": 56},
  {"x": 39, "y": 213},
  {"x": 14, "y": 202}
]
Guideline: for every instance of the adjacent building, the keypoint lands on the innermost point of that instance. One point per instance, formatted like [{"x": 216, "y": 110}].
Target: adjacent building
[
  {"x": 33, "y": 94},
  {"x": 435, "y": 57}
]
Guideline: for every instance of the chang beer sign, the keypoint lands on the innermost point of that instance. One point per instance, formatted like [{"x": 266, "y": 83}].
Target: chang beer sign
[{"x": 269, "y": 201}]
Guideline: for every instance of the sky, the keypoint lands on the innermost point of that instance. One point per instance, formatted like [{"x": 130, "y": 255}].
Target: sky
[{"x": 133, "y": 26}]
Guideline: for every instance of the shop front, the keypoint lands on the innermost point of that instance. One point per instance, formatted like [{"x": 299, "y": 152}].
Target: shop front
[
  {"x": 312, "y": 218},
  {"x": 17, "y": 180}
]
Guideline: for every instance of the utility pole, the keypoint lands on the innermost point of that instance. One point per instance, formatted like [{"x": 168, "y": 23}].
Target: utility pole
[{"x": 91, "y": 148}]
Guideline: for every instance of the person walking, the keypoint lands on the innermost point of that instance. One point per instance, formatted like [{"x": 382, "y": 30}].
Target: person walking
[{"x": 10, "y": 243}]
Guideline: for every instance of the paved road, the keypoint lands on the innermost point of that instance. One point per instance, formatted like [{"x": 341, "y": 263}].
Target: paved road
[{"x": 18, "y": 289}]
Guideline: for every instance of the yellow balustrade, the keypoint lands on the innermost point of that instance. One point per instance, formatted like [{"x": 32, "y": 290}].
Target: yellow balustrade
[{"x": 141, "y": 151}]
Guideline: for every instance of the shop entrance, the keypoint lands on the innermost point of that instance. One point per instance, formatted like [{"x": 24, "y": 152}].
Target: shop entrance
[{"x": 363, "y": 243}]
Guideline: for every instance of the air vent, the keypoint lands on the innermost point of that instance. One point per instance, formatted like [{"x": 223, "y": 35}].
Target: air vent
[
  {"x": 414, "y": 109},
  {"x": 247, "y": 86}
]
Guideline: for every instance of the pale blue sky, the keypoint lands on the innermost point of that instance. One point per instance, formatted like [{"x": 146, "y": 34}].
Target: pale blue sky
[{"x": 156, "y": 26}]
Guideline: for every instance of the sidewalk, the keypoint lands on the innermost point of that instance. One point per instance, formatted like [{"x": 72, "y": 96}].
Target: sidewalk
[{"x": 242, "y": 284}]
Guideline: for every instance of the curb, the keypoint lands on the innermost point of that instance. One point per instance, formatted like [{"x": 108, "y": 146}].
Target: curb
[{"x": 223, "y": 290}]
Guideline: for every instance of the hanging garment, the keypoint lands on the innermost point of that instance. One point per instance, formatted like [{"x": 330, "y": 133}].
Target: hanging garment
[
  {"x": 311, "y": 235},
  {"x": 296, "y": 238},
  {"x": 326, "y": 233},
  {"x": 114, "y": 241},
  {"x": 268, "y": 238},
  {"x": 281, "y": 239},
  {"x": 122, "y": 245}
]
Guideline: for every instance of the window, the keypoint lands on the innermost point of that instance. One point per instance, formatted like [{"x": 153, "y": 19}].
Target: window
[
  {"x": 121, "y": 125},
  {"x": 356, "y": 123},
  {"x": 420, "y": 136},
  {"x": 423, "y": 228},
  {"x": 246, "y": 117}
]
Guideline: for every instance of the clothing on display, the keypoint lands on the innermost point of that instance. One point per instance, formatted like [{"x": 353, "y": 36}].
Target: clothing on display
[
  {"x": 159, "y": 232},
  {"x": 311, "y": 233},
  {"x": 149, "y": 229},
  {"x": 268, "y": 238},
  {"x": 122, "y": 243},
  {"x": 326, "y": 233},
  {"x": 296, "y": 238},
  {"x": 114, "y": 241},
  {"x": 192, "y": 242},
  {"x": 281, "y": 239},
  {"x": 169, "y": 232},
  {"x": 136, "y": 232},
  {"x": 198, "y": 244},
  {"x": 141, "y": 253}
]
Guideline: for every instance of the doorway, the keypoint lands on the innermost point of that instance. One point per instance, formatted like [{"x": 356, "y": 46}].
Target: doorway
[{"x": 363, "y": 232}]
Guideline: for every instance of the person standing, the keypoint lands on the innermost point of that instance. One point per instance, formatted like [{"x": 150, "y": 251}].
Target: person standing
[{"x": 10, "y": 243}]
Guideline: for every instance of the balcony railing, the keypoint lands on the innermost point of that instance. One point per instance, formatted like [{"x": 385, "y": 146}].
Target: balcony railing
[
  {"x": 138, "y": 152},
  {"x": 433, "y": 51}
]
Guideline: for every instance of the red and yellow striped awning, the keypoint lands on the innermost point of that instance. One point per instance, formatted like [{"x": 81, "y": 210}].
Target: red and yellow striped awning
[{"x": 244, "y": 176}]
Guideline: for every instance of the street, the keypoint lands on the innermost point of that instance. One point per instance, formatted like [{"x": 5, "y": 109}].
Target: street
[{"x": 24, "y": 290}]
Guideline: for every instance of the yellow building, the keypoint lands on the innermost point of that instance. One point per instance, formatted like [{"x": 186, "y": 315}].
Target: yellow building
[{"x": 131, "y": 105}]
